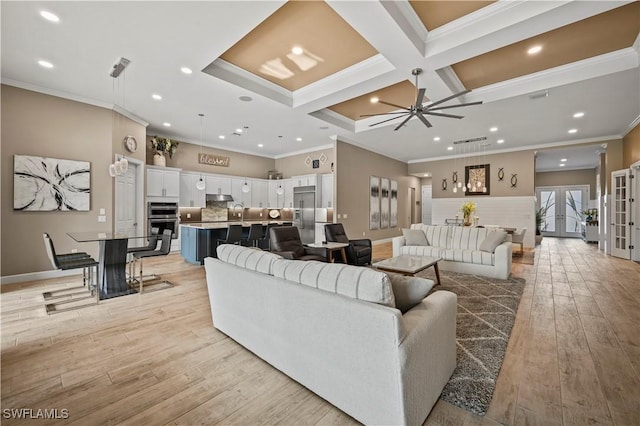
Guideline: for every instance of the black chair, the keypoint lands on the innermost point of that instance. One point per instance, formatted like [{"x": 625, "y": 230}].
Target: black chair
[
  {"x": 265, "y": 243},
  {"x": 285, "y": 241},
  {"x": 67, "y": 262},
  {"x": 151, "y": 245},
  {"x": 234, "y": 235},
  {"x": 255, "y": 235},
  {"x": 165, "y": 248},
  {"x": 358, "y": 251}
]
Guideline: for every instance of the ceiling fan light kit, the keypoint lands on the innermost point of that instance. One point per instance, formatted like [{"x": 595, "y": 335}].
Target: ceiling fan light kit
[{"x": 419, "y": 109}]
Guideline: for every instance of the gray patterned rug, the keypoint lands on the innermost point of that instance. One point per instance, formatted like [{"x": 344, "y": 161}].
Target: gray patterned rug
[{"x": 486, "y": 312}]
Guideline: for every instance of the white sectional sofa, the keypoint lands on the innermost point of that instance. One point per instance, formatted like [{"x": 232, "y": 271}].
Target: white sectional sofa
[
  {"x": 368, "y": 359},
  {"x": 460, "y": 249}
]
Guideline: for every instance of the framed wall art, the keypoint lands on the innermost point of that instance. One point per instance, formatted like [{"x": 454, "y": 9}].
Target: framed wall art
[
  {"x": 374, "y": 202},
  {"x": 478, "y": 178},
  {"x": 393, "y": 217},
  {"x": 384, "y": 203},
  {"x": 50, "y": 184}
]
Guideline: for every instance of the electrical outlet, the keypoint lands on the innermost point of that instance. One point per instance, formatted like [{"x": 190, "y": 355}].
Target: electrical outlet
[
  {"x": 102, "y": 218},
  {"x": 260, "y": 214},
  {"x": 363, "y": 233},
  {"x": 338, "y": 215},
  {"x": 238, "y": 214},
  {"x": 74, "y": 250},
  {"x": 103, "y": 211},
  {"x": 188, "y": 215},
  {"x": 344, "y": 215}
]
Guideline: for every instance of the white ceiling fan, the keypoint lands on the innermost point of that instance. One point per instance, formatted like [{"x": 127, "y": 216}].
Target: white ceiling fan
[{"x": 419, "y": 109}]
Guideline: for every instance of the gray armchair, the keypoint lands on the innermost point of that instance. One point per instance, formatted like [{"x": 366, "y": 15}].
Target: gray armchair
[
  {"x": 285, "y": 241},
  {"x": 358, "y": 251}
]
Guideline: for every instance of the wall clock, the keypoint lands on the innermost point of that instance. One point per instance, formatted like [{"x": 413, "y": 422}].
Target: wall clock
[{"x": 130, "y": 143}]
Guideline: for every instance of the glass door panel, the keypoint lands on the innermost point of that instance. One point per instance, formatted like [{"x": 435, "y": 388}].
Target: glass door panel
[
  {"x": 547, "y": 199},
  {"x": 562, "y": 209},
  {"x": 620, "y": 231},
  {"x": 573, "y": 212}
]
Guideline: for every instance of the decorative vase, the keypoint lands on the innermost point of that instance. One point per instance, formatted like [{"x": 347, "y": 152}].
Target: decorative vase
[
  {"x": 467, "y": 220},
  {"x": 159, "y": 159}
]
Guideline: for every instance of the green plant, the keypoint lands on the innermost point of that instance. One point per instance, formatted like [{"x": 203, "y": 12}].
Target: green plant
[
  {"x": 468, "y": 208},
  {"x": 540, "y": 214},
  {"x": 164, "y": 146}
]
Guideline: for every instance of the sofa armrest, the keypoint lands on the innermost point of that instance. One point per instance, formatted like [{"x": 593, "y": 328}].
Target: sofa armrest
[
  {"x": 361, "y": 242},
  {"x": 502, "y": 262},
  {"x": 397, "y": 242}
]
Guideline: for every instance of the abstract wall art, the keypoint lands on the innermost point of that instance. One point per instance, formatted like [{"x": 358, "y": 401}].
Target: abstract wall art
[
  {"x": 374, "y": 202},
  {"x": 393, "y": 218},
  {"x": 384, "y": 203},
  {"x": 50, "y": 184}
]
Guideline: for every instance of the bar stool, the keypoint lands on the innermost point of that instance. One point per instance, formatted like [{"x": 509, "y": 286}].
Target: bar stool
[
  {"x": 234, "y": 235},
  {"x": 255, "y": 234},
  {"x": 264, "y": 243},
  {"x": 165, "y": 248}
]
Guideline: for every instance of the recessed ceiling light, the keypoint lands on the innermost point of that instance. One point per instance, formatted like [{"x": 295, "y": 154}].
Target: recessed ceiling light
[
  {"x": 374, "y": 100},
  {"x": 436, "y": 139},
  {"x": 299, "y": 139},
  {"x": 573, "y": 130},
  {"x": 578, "y": 115},
  {"x": 245, "y": 98},
  {"x": 449, "y": 148},
  {"x": 563, "y": 159},
  {"x": 156, "y": 96},
  {"x": 165, "y": 124},
  {"x": 260, "y": 145},
  {"x": 561, "y": 164},
  {"x": 297, "y": 50},
  {"x": 45, "y": 64},
  {"x": 49, "y": 16},
  {"x": 238, "y": 130},
  {"x": 500, "y": 141},
  {"x": 493, "y": 129},
  {"x": 221, "y": 137},
  {"x": 535, "y": 49},
  {"x": 186, "y": 70}
]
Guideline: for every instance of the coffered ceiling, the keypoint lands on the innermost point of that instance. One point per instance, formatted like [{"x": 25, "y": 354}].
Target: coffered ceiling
[{"x": 245, "y": 71}]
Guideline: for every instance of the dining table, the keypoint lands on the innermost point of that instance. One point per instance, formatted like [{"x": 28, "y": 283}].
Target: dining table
[{"x": 112, "y": 260}]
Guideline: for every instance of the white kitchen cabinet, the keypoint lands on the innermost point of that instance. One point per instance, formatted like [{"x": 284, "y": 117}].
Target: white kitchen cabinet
[
  {"x": 305, "y": 180},
  {"x": 259, "y": 193},
  {"x": 240, "y": 197},
  {"x": 218, "y": 184},
  {"x": 327, "y": 191},
  {"x": 163, "y": 182},
  {"x": 288, "y": 193},
  {"x": 276, "y": 201},
  {"x": 190, "y": 196}
]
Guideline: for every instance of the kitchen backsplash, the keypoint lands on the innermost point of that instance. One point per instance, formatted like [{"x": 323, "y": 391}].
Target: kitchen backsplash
[{"x": 222, "y": 214}]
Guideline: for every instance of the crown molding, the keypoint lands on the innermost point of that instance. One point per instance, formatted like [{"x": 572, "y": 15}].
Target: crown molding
[
  {"x": 635, "y": 123},
  {"x": 56, "y": 93},
  {"x": 305, "y": 151}
]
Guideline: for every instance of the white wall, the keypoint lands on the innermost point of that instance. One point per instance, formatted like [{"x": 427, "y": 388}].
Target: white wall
[{"x": 511, "y": 212}]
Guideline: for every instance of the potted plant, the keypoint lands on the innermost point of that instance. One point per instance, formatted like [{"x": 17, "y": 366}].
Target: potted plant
[
  {"x": 162, "y": 146},
  {"x": 467, "y": 210}
]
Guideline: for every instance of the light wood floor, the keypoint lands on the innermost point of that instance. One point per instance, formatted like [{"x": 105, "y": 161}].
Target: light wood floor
[{"x": 573, "y": 357}]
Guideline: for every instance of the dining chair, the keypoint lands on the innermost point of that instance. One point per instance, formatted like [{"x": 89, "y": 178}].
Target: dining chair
[
  {"x": 151, "y": 245},
  {"x": 67, "y": 262},
  {"x": 255, "y": 234},
  {"x": 165, "y": 248},
  {"x": 518, "y": 238}
]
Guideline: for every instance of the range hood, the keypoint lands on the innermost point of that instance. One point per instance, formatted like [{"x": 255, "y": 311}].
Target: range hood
[{"x": 219, "y": 197}]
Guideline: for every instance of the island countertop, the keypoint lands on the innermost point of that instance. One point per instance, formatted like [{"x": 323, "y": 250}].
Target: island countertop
[{"x": 223, "y": 225}]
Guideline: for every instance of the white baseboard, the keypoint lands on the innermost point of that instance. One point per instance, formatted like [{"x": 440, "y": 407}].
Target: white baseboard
[{"x": 33, "y": 276}]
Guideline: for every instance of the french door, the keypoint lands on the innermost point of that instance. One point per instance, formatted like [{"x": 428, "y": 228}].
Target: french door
[
  {"x": 562, "y": 209},
  {"x": 621, "y": 224}
]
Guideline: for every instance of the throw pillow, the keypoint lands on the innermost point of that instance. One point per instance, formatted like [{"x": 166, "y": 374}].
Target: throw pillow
[
  {"x": 409, "y": 291},
  {"x": 492, "y": 240},
  {"x": 414, "y": 237}
]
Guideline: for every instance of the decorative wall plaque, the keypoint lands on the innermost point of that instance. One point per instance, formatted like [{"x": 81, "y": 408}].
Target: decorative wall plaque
[{"x": 213, "y": 160}]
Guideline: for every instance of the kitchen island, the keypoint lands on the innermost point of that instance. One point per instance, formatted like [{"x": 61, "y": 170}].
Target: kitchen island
[{"x": 198, "y": 239}]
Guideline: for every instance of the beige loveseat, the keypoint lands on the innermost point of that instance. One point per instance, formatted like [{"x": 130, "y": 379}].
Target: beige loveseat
[
  {"x": 460, "y": 249},
  {"x": 368, "y": 359}
]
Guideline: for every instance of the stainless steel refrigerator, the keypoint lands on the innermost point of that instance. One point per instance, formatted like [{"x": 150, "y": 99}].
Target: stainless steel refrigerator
[{"x": 304, "y": 211}]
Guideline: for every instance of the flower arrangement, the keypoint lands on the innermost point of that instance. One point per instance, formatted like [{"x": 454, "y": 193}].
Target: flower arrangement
[
  {"x": 164, "y": 146},
  {"x": 468, "y": 208}
]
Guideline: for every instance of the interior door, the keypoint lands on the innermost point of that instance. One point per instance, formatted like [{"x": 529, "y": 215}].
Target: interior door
[
  {"x": 426, "y": 204},
  {"x": 126, "y": 213},
  {"x": 620, "y": 214},
  {"x": 562, "y": 209}
]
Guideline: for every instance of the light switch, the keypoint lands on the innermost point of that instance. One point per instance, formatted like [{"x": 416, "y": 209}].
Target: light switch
[
  {"x": 338, "y": 215},
  {"x": 102, "y": 218},
  {"x": 103, "y": 211},
  {"x": 344, "y": 215}
]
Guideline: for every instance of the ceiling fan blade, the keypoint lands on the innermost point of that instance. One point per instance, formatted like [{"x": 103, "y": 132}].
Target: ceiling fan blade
[
  {"x": 405, "y": 120},
  {"x": 427, "y": 108},
  {"x": 384, "y": 121},
  {"x": 443, "y": 115},
  {"x": 424, "y": 120},
  {"x": 420, "y": 97},
  {"x": 384, "y": 113},
  {"x": 394, "y": 105},
  {"x": 441, "y": 101}
]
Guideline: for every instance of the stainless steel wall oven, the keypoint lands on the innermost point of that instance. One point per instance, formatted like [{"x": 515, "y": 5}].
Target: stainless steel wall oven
[{"x": 163, "y": 215}]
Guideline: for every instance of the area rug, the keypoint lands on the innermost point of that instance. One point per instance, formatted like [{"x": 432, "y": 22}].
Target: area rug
[
  {"x": 526, "y": 258},
  {"x": 486, "y": 312}
]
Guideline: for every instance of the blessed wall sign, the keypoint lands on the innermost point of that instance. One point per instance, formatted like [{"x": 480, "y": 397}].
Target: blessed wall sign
[{"x": 213, "y": 160}]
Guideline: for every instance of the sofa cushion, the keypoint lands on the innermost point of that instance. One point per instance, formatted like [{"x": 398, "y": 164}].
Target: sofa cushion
[
  {"x": 467, "y": 237},
  {"x": 437, "y": 235},
  {"x": 492, "y": 240},
  {"x": 409, "y": 291},
  {"x": 469, "y": 256},
  {"x": 247, "y": 257},
  {"x": 414, "y": 237},
  {"x": 351, "y": 281},
  {"x": 422, "y": 251}
]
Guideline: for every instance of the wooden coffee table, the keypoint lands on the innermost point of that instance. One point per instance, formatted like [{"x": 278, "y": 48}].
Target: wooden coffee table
[
  {"x": 331, "y": 247},
  {"x": 409, "y": 265}
]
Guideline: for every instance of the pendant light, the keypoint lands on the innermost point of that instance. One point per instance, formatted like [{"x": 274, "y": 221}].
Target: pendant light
[
  {"x": 200, "y": 186},
  {"x": 121, "y": 164},
  {"x": 280, "y": 189},
  {"x": 245, "y": 186}
]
